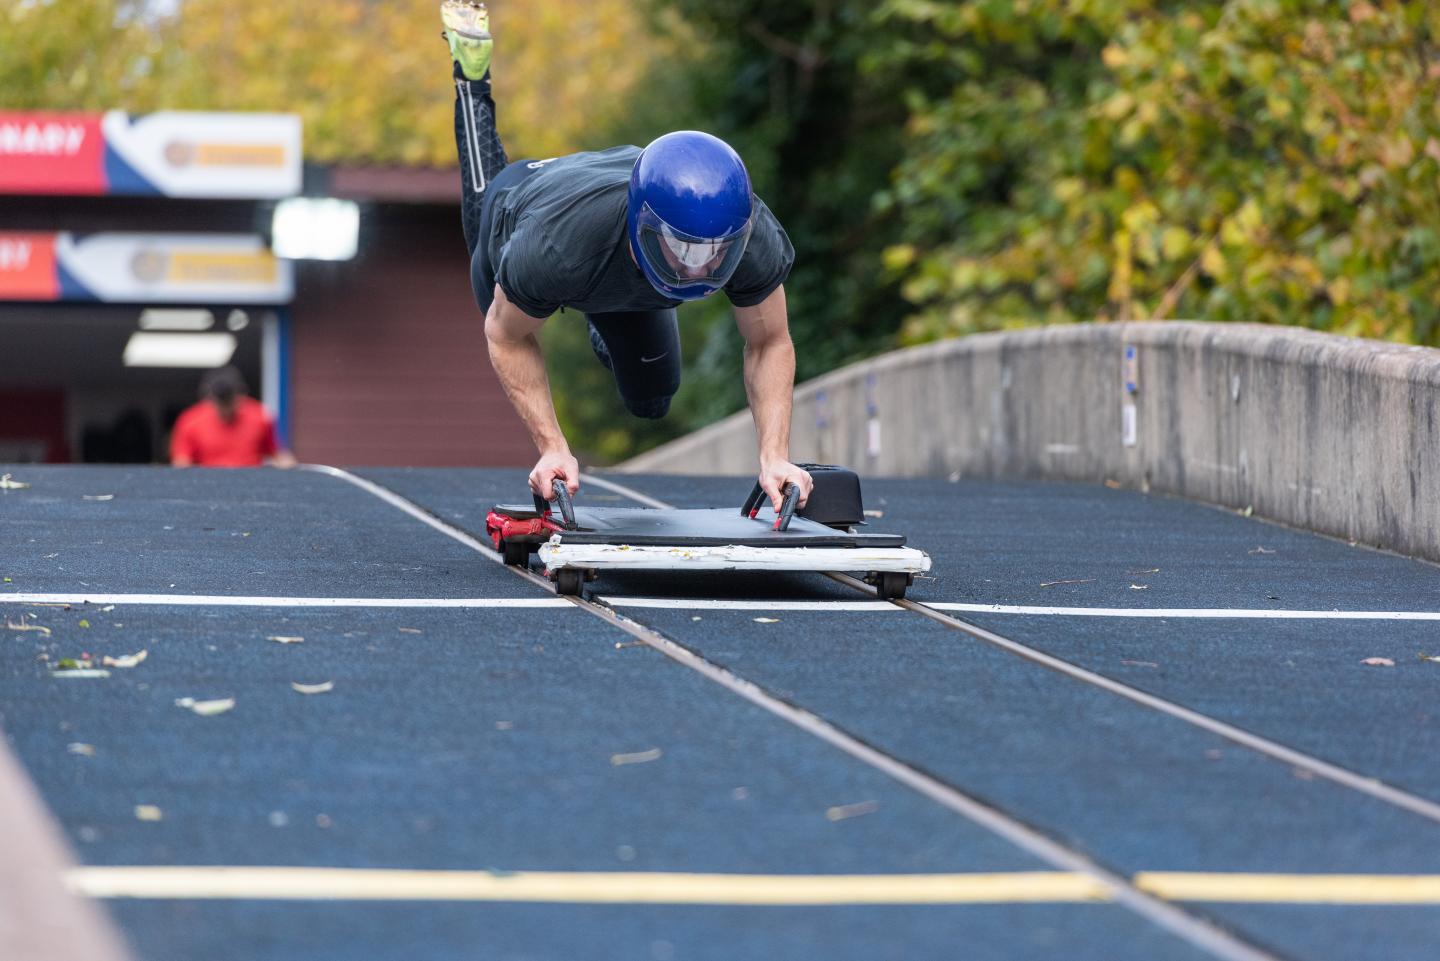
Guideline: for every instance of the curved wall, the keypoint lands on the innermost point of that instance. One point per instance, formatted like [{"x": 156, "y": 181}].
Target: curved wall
[{"x": 1327, "y": 433}]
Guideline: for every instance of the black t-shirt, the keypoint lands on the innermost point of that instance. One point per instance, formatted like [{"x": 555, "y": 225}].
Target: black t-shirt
[{"x": 558, "y": 239}]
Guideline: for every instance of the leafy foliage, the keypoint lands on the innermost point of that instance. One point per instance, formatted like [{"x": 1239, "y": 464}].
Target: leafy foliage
[
  {"x": 371, "y": 80},
  {"x": 1260, "y": 160},
  {"x": 942, "y": 166},
  {"x": 782, "y": 83}
]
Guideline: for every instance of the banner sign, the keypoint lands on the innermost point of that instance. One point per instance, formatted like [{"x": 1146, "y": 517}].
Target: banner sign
[
  {"x": 143, "y": 269},
  {"x": 169, "y": 154}
]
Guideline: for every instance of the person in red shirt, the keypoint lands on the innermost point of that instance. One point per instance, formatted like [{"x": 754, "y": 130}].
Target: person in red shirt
[{"x": 226, "y": 428}]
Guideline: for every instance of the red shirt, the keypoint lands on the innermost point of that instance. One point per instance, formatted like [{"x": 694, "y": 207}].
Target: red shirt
[{"x": 203, "y": 438}]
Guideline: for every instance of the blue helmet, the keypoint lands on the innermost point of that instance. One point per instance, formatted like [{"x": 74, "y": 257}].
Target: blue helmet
[{"x": 690, "y": 213}]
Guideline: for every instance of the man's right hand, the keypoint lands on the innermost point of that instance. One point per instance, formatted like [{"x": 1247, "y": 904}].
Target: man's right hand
[{"x": 561, "y": 464}]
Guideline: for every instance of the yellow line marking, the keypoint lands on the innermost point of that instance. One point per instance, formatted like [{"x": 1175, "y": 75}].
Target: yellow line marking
[
  {"x": 349, "y": 884},
  {"x": 1293, "y": 888},
  {"x": 637, "y": 887}
]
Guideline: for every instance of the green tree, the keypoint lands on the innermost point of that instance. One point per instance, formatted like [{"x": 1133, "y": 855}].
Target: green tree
[
  {"x": 76, "y": 55},
  {"x": 783, "y": 84},
  {"x": 1261, "y": 160},
  {"x": 369, "y": 79}
]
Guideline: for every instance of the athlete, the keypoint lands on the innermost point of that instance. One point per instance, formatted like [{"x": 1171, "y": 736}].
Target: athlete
[{"x": 624, "y": 236}]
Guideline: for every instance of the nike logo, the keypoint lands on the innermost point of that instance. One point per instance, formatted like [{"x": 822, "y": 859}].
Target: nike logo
[{"x": 651, "y": 360}]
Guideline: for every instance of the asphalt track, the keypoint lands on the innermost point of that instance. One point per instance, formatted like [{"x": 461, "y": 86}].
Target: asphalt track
[{"x": 514, "y": 758}]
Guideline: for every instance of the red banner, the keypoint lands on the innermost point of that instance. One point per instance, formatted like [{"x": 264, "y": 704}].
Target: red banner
[
  {"x": 52, "y": 153},
  {"x": 27, "y": 267}
]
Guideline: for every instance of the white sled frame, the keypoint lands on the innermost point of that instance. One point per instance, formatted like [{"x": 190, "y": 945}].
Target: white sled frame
[{"x": 557, "y": 555}]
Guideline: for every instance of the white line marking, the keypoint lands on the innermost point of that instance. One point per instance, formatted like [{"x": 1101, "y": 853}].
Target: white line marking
[
  {"x": 1193, "y": 612},
  {"x": 700, "y": 604},
  {"x": 225, "y": 600},
  {"x": 880, "y": 607}
]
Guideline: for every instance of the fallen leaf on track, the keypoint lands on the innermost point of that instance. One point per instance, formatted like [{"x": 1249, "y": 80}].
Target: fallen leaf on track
[
  {"x": 125, "y": 660},
  {"x": 639, "y": 757},
  {"x": 1139, "y": 587},
  {"x": 148, "y": 812},
  {"x": 1378, "y": 662},
  {"x": 1081, "y": 580},
  {"x": 766, "y": 620},
  {"x": 409, "y": 630},
  {"x": 844, "y": 811},
  {"x": 6, "y": 484},
  {"x": 874, "y": 513},
  {"x": 98, "y": 497},
  {"x": 84, "y": 750},
  {"x": 1431, "y": 658},
  {"x": 206, "y": 708},
  {"x": 24, "y": 625},
  {"x": 322, "y": 688},
  {"x": 1261, "y": 550},
  {"x": 1139, "y": 663},
  {"x": 285, "y": 639},
  {"x": 1147, "y": 570}
]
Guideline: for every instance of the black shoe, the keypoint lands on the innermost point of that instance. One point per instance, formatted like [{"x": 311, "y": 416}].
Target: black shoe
[{"x": 597, "y": 344}]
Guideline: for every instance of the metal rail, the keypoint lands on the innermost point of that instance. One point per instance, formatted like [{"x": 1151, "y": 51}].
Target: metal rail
[
  {"x": 1196, "y": 930},
  {"x": 1344, "y": 777}
]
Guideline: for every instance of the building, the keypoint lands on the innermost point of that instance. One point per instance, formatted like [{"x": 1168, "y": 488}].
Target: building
[{"x": 140, "y": 237}]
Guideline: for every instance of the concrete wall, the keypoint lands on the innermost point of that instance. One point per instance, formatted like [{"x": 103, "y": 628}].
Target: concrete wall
[{"x": 1322, "y": 432}]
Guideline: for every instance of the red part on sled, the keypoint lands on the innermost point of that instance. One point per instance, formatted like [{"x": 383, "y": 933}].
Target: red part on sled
[{"x": 502, "y": 527}]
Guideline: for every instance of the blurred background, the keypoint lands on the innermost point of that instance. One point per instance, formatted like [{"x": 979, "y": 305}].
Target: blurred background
[{"x": 942, "y": 168}]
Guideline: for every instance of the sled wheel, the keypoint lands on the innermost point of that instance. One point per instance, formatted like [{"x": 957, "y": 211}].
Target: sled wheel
[
  {"x": 890, "y": 586},
  {"x": 516, "y": 554},
  {"x": 569, "y": 581}
]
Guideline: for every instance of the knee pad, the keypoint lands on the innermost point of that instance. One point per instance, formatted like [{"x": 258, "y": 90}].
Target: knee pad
[{"x": 652, "y": 409}]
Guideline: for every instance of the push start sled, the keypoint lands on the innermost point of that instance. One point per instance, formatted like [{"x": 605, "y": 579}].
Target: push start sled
[{"x": 823, "y": 536}]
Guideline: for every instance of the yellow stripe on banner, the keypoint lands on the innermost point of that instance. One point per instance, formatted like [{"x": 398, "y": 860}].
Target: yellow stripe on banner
[
  {"x": 1293, "y": 888},
  {"x": 349, "y": 884}
]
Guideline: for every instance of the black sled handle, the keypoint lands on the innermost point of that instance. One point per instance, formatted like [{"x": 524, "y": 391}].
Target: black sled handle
[
  {"x": 787, "y": 507},
  {"x": 562, "y": 497}
]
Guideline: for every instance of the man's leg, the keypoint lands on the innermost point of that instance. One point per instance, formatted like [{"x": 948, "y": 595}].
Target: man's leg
[
  {"x": 482, "y": 155},
  {"x": 644, "y": 351}
]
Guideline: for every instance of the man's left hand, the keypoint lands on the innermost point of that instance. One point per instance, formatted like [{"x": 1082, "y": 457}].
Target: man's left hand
[{"x": 775, "y": 474}]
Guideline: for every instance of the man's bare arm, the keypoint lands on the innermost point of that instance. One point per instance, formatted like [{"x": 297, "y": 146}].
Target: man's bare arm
[
  {"x": 769, "y": 385},
  {"x": 519, "y": 363}
]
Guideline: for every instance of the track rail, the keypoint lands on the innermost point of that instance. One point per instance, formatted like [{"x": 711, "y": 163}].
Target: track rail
[
  {"x": 1294, "y": 757},
  {"x": 1195, "y": 929}
]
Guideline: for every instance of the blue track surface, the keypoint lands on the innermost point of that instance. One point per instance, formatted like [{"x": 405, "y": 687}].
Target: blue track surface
[{"x": 484, "y": 739}]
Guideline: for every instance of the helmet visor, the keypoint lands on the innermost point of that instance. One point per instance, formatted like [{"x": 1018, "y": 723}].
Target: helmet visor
[{"x": 682, "y": 260}]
